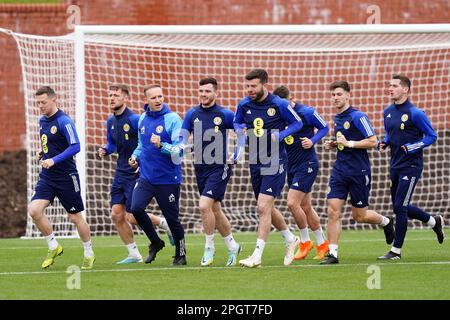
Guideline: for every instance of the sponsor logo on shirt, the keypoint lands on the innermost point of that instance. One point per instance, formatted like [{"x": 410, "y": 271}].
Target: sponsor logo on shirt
[
  {"x": 289, "y": 140},
  {"x": 258, "y": 130},
  {"x": 217, "y": 121}
]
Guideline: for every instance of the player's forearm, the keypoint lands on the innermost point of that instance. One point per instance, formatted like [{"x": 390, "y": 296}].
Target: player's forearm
[
  {"x": 427, "y": 141},
  {"x": 368, "y": 143},
  {"x": 137, "y": 152},
  {"x": 320, "y": 134},
  {"x": 293, "y": 128},
  {"x": 175, "y": 149},
  {"x": 72, "y": 150}
]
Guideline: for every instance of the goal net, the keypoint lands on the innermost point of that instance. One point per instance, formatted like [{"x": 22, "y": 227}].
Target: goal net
[{"x": 304, "y": 60}]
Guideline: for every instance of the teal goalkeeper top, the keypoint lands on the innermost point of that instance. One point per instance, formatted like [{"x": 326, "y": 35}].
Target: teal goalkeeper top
[{"x": 159, "y": 165}]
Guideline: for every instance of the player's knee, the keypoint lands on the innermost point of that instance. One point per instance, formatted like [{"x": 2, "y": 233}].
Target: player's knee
[
  {"x": 333, "y": 214},
  {"x": 358, "y": 217},
  {"x": 117, "y": 215},
  {"x": 204, "y": 209},
  {"x": 306, "y": 207},
  {"x": 75, "y": 218},
  {"x": 263, "y": 209},
  {"x": 130, "y": 218},
  {"x": 35, "y": 213},
  {"x": 292, "y": 204}
]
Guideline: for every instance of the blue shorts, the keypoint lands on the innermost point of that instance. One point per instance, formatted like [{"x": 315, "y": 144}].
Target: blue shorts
[
  {"x": 122, "y": 191},
  {"x": 67, "y": 189},
  {"x": 358, "y": 186},
  {"x": 302, "y": 176},
  {"x": 271, "y": 185},
  {"x": 403, "y": 183},
  {"x": 212, "y": 182}
]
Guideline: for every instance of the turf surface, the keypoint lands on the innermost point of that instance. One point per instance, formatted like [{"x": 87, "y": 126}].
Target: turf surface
[{"x": 423, "y": 272}]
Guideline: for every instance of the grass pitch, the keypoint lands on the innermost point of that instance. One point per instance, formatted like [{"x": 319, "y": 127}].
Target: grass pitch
[{"x": 423, "y": 272}]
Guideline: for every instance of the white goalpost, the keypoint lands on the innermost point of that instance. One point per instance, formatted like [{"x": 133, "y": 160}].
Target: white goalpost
[{"x": 306, "y": 58}]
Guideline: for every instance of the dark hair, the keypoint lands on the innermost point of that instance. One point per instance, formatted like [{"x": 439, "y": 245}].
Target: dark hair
[
  {"x": 45, "y": 90},
  {"x": 260, "y": 74},
  {"x": 404, "y": 80},
  {"x": 282, "y": 91},
  {"x": 340, "y": 84},
  {"x": 151, "y": 87},
  {"x": 209, "y": 80},
  {"x": 123, "y": 88}
]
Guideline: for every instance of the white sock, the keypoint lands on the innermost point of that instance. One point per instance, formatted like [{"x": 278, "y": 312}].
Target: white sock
[
  {"x": 51, "y": 241},
  {"x": 319, "y": 236},
  {"x": 334, "y": 249},
  {"x": 209, "y": 240},
  {"x": 304, "y": 235},
  {"x": 230, "y": 243},
  {"x": 432, "y": 222},
  {"x": 384, "y": 222},
  {"x": 133, "y": 250},
  {"x": 88, "y": 249},
  {"x": 288, "y": 236},
  {"x": 259, "y": 249},
  {"x": 396, "y": 250},
  {"x": 163, "y": 224}
]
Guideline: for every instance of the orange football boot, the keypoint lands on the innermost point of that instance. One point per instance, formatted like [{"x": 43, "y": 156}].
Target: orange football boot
[
  {"x": 303, "y": 249},
  {"x": 322, "y": 250}
]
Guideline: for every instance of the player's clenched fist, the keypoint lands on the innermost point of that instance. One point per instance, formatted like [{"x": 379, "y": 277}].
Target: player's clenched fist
[
  {"x": 133, "y": 162},
  {"x": 330, "y": 144},
  {"x": 156, "y": 140},
  {"x": 307, "y": 143},
  {"x": 101, "y": 151},
  {"x": 47, "y": 164},
  {"x": 39, "y": 155}
]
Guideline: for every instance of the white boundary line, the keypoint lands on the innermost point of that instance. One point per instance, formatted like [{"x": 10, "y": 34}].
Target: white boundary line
[
  {"x": 381, "y": 240},
  {"x": 433, "y": 263}
]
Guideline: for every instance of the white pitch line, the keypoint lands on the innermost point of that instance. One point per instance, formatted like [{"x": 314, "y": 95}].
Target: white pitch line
[
  {"x": 202, "y": 244},
  {"x": 233, "y": 268}
]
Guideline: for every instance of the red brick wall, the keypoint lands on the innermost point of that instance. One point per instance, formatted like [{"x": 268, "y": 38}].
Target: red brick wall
[
  {"x": 51, "y": 20},
  {"x": 34, "y": 19}
]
